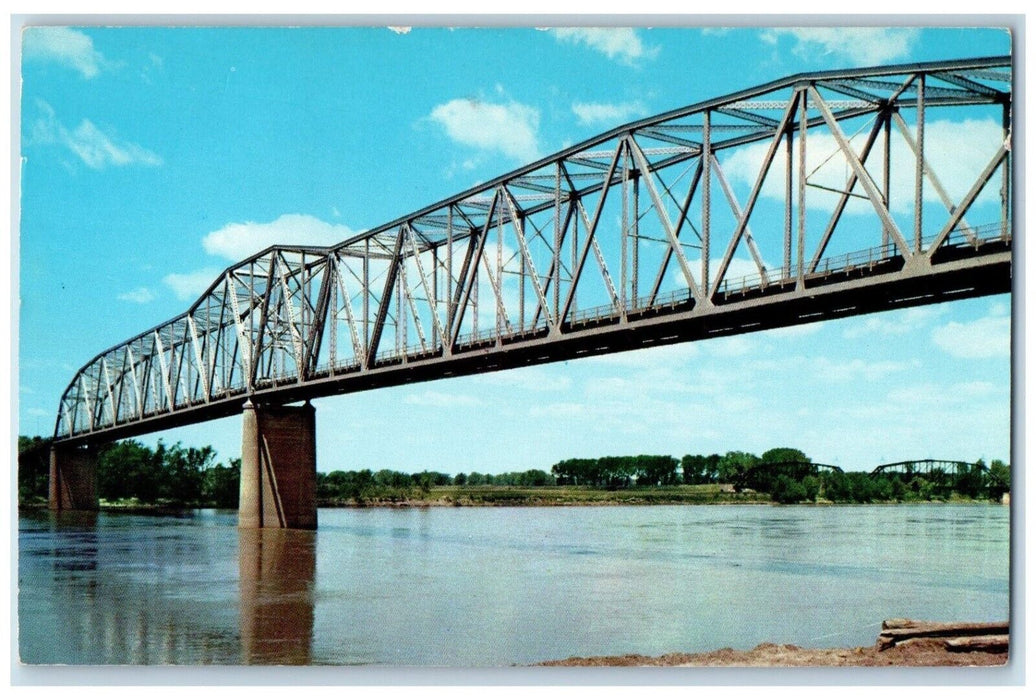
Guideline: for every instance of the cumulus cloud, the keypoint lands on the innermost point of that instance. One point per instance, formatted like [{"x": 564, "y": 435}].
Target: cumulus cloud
[
  {"x": 237, "y": 241},
  {"x": 88, "y": 142},
  {"x": 440, "y": 399},
  {"x": 894, "y": 323},
  {"x": 140, "y": 295},
  {"x": 508, "y": 128},
  {"x": 858, "y": 45},
  {"x": 622, "y": 44},
  {"x": 982, "y": 338},
  {"x": 190, "y": 285},
  {"x": 848, "y": 370},
  {"x": 65, "y": 46},
  {"x": 600, "y": 112}
]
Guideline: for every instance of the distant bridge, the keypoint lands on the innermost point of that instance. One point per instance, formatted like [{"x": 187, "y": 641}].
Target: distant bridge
[
  {"x": 710, "y": 220},
  {"x": 796, "y": 469},
  {"x": 941, "y": 468}
]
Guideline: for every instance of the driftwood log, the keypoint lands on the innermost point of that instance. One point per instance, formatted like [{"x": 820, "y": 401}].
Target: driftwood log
[{"x": 956, "y": 636}]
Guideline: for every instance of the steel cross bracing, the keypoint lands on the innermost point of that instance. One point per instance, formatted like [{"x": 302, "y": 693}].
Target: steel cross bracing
[{"x": 816, "y": 196}]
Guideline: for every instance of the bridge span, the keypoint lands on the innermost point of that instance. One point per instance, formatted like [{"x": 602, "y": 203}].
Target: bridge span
[{"x": 808, "y": 198}]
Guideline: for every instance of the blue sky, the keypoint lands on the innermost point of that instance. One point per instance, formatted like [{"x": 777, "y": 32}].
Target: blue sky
[{"x": 152, "y": 158}]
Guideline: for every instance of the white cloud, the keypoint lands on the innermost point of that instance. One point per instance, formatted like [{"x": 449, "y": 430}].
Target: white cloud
[
  {"x": 623, "y": 44},
  {"x": 844, "y": 371},
  {"x": 93, "y": 146},
  {"x": 858, "y": 45},
  {"x": 795, "y": 331},
  {"x": 526, "y": 379},
  {"x": 985, "y": 337},
  {"x": 673, "y": 356},
  {"x": 508, "y": 128},
  {"x": 140, "y": 295},
  {"x": 955, "y": 161},
  {"x": 401, "y": 30},
  {"x": 894, "y": 323},
  {"x": 598, "y": 112},
  {"x": 65, "y": 46},
  {"x": 730, "y": 346},
  {"x": 238, "y": 241},
  {"x": 190, "y": 285},
  {"x": 440, "y": 399},
  {"x": 740, "y": 271}
]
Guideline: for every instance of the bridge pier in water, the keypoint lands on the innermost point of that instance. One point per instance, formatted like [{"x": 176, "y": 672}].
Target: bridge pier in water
[
  {"x": 278, "y": 467},
  {"x": 73, "y": 478}
]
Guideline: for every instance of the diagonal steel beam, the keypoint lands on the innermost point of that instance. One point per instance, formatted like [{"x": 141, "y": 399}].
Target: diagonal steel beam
[
  {"x": 663, "y": 216},
  {"x": 764, "y": 168},
  {"x": 861, "y": 173}
]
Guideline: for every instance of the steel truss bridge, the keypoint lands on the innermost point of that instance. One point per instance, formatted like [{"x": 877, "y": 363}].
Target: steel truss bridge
[
  {"x": 818, "y": 196},
  {"x": 938, "y": 469}
]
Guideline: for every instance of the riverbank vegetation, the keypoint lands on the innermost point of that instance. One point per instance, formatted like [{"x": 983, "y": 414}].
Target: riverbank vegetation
[{"x": 131, "y": 474}]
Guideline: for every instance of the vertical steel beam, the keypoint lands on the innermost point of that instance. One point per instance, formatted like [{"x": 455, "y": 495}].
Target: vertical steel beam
[
  {"x": 919, "y": 167},
  {"x": 886, "y": 189},
  {"x": 706, "y": 194},
  {"x": 636, "y": 234},
  {"x": 789, "y": 198},
  {"x": 1005, "y": 179},
  {"x": 624, "y": 231},
  {"x": 803, "y": 131}
]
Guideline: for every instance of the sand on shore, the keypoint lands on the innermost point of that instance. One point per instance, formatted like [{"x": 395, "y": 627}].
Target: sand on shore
[{"x": 920, "y": 652}]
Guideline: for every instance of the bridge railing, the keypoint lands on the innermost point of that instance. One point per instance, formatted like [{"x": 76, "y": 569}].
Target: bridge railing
[{"x": 867, "y": 258}]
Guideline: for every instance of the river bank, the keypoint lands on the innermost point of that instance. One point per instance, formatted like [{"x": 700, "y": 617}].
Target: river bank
[
  {"x": 518, "y": 496},
  {"x": 901, "y": 643},
  {"x": 925, "y": 653}
]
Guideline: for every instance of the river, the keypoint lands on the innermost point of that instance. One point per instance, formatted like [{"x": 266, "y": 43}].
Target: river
[{"x": 486, "y": 587}]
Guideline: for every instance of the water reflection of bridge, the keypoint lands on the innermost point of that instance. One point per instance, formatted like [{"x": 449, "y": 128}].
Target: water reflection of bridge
[{"x": 114, "y": 610}]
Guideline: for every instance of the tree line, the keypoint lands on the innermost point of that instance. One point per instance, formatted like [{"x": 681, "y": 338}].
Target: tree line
[
  {"x": 192, "y": 477},
  {"x": 171, "y": 475}
]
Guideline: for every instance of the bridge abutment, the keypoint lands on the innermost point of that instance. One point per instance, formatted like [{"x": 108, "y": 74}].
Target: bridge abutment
[
  {"x": 73, "y": 478},
  {"x": 278, "y": 467}
]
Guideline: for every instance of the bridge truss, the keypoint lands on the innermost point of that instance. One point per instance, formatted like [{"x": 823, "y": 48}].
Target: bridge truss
[
  {"x": 938, "y": 470},
  {"x": 817, "y": 196}
]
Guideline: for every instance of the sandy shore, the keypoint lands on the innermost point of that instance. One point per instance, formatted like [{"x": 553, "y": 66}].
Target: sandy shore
[{"x": 920, "y": 652}]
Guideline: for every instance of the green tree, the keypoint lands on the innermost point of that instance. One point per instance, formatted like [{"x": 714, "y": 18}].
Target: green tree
[
  {"x": 787, "y": 490},
  {"x": 969, "y": 480},
  {"x": 835, "y": 487},
  {"x": 732, "y": 464},
  {"x": 130, "y": 469},
  {"x": 33, "y": 468},
  {"x": 811, "y": 485},
  {"x": 656, "y": 470},
  {"x": 778, "y": 455},
  {"x": 999, "y": 479},
  {"x": 221, "y": 485}
]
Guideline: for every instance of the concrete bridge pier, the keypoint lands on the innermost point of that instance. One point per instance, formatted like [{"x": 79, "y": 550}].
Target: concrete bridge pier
[
  {"x": 73, "y": 478},
  {"x": 278, "y": 467}
]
